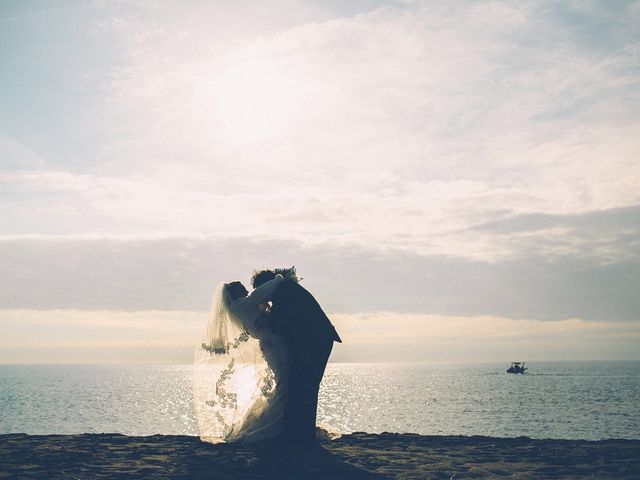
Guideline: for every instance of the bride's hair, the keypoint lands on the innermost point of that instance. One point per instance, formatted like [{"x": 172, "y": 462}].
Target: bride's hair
[{"x": 233, "y": 289}]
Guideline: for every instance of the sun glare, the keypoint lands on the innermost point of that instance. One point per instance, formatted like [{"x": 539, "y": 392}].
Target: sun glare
[{"x": 253, "y": 102}]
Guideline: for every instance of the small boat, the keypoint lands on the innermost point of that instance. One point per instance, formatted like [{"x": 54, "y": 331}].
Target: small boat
[{"x": 517, "y": 367}]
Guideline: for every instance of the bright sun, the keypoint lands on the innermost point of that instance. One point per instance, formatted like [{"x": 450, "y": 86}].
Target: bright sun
[{"x": 253, "y": 102}]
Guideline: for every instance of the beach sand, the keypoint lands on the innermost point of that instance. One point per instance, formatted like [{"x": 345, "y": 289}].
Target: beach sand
[{"x": 360, "y": 455}]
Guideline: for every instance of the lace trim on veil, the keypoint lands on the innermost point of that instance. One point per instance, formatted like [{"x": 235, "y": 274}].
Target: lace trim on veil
[{"x": 231, "y": 377}]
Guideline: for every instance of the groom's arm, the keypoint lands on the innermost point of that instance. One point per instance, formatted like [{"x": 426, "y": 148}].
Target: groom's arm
[
  {"x": 247, "y": 307},
  {"x": 263, "y": 293}
]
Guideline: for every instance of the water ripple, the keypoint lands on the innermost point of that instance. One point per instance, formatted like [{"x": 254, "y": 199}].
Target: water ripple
[{"x": 592, "y": 400}]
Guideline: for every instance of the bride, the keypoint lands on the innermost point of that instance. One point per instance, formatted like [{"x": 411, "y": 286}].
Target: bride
[{"x": 240, "y": 368}]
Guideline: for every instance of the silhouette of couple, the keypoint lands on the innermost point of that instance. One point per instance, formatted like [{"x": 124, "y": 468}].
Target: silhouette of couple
[{"x": 259, "y": 367}]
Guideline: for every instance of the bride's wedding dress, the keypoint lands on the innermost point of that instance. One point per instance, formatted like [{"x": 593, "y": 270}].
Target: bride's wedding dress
[
  {"x": 264, "y": 418},
  {"x": 240, "y": 371}
]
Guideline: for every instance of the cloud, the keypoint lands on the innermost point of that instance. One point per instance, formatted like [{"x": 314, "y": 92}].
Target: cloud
[
  {"x": 414, "y": 87},
  {"x": 453, "y": 218},
  {"x": 393, "y": 127},
  {"x": 608, "y": 235},
  {"x": 169, "y": 273}
]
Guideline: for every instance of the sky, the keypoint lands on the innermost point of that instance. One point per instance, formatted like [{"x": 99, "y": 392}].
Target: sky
[{"x": 455, "y": 181}]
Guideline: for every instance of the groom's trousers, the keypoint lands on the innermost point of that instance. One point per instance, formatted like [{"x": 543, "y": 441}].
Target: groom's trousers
[{"x": 308, "y": 363}]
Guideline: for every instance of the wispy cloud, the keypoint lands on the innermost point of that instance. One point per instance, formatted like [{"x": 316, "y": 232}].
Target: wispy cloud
[{"x": 396, "y": 127}]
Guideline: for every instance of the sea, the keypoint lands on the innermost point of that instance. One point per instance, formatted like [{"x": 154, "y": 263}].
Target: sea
[{"x": 561, "y": 400}]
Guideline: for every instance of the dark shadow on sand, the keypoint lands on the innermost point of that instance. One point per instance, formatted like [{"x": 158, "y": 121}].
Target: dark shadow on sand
[
  {"x": 356, "y": 456},
  {"x": 160, "y": 456}
]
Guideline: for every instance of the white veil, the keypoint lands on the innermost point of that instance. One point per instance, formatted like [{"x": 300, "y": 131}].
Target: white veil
[{"x": 230, "y": 376}]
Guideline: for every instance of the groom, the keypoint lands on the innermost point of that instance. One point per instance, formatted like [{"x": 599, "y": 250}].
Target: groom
[{"x": 309, "y": 337}]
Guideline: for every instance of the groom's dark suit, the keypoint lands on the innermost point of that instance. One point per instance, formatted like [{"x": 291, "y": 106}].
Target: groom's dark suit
[{"x": 309, "y": 336}]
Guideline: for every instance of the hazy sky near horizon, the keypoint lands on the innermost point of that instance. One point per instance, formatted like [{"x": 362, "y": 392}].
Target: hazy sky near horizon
[{"x": 455, "y": 181}]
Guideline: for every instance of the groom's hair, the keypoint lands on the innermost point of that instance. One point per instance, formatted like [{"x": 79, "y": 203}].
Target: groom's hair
[{"x": 263, "y": 276}]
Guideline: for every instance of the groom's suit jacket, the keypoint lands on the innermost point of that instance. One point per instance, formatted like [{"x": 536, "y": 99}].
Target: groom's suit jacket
[{"x": 298, "y": 316}]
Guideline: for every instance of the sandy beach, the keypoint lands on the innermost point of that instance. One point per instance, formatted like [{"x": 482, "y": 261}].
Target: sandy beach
[{"x": 358, "y": 456}]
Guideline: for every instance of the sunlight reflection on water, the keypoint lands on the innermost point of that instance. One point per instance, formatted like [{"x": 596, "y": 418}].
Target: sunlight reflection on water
[{"x": 555, "y": 400}]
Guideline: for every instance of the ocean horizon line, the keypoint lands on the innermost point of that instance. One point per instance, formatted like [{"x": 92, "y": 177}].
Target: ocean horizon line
[{"x": 399, "y": 362}]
